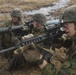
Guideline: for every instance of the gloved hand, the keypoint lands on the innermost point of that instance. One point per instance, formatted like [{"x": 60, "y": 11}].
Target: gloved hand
[
  {"x": 45, "y": 53},
  {"x": 47, "y": 56},
  {"x": 21, "y": 49},
  {"x": 27, "y": 37},
  {"x": 25, "y": 27}
]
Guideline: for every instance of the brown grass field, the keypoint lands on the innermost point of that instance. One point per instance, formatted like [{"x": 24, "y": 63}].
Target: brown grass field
[{"x": 6, "y": 6}]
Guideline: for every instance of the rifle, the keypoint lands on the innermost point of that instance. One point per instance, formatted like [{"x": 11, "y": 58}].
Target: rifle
[
  {"x": 6, "y": 29},
  {"x": 52, "y": 32},
  {"x": 18, "y": 31},
  {"x": 29, "y": 24}
]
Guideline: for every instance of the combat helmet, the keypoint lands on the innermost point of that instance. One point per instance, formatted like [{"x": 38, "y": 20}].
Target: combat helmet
[
  {"x": 40, "y": 18},
  {"x": 17, "y": 13},
  {"x": 69, "y": 14}
]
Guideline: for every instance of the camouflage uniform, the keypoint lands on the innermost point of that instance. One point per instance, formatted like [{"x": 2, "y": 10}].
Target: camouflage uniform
[
  {"x": 41, "y": 19},
  {"x": 68, "y": 66},
  {"x": 30, "y": 54},
  {"x": 7, "y": 39}
]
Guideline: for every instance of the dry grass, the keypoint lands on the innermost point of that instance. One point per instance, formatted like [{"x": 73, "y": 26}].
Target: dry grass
[{"x": 8, "y": 5}]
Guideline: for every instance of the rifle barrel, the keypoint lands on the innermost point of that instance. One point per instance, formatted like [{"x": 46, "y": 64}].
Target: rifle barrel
[
  {"x": 6, "y": 29},
  {"x": 8, "y": 49}
]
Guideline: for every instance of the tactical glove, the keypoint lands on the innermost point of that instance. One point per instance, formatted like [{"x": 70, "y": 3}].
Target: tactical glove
[{"x": 27, "y": 37}]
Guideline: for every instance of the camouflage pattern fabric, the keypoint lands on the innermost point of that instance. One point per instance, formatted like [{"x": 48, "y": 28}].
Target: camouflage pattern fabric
[
  {"x": 49, "y": 70},
  {"x": 7, "y": 39},
  {"x": 68, "y": 66}
]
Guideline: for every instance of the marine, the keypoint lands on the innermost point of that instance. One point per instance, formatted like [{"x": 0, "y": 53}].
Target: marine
[
  {"x": 20, "y": 59},
  {"x": 63, "y": 61},
  {"x": 8, "y": 38}
]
